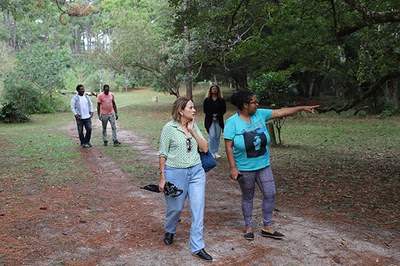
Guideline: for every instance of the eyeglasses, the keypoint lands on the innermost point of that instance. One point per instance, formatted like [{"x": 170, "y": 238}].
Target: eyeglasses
[
  {"x": 254, "y": 102},
  {"x": 189, "y": 144}
]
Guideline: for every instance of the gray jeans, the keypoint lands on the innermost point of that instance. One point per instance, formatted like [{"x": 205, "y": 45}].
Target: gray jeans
[
  {"x": 104, "y": 121},
  {"x": 265, "y": 180}
]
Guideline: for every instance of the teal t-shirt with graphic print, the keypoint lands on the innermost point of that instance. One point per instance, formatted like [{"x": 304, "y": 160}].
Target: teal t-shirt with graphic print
[{"x": 250, "y": 140}]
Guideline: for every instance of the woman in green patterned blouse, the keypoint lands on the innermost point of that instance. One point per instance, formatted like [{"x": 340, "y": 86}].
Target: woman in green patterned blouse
[{"x": 180, "y": 164}]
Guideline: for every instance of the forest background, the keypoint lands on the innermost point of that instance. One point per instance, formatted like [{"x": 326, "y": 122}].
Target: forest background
[
  {"x": 345, "y": 52},
  {"x": 58, "y": 206}
]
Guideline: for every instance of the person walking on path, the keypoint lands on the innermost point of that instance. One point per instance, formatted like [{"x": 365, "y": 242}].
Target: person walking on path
[
  {"x": 82, "y": 108},
  {"x": 214, "y": 108},
  {"x": 107, "y": 112},
  {"x": 180, "y": 164},
  {"x": 246, "y": 144}
]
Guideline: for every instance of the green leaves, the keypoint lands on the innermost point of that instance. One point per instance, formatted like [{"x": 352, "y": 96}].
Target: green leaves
[
  {"x": 42, "y": 66},
  {"x": 274, "y": 88}
]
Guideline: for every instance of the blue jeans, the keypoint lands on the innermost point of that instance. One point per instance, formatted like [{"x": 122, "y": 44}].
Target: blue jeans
[
  {"x": 87, "y": 123},
  {"x": 193, "y": 182},
  {"x": 265, "y": 180},
  {"x": 214, "y": 136}
]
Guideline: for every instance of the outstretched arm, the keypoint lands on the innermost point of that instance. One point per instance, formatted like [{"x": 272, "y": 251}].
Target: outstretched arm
[{"x": 292, "y": 110}]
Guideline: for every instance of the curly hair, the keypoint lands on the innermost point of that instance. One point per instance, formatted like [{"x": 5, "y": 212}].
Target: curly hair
[
  {"x": 219, "y": 93},
  {"x": 241, "y": 97}
]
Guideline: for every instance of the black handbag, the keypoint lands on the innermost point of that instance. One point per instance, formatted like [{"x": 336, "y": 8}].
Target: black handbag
[{"x": 207, "y": 160}]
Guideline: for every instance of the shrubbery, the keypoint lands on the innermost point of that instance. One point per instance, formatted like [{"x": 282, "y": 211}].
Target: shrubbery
[
  {"x": 31, "y": 87},
  {"x": 9, "y": 113},
  {"x": 274, "y": 88}
]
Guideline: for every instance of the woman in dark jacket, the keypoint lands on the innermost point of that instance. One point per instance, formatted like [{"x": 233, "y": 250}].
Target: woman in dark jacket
[{"x": 214, "y": 107}]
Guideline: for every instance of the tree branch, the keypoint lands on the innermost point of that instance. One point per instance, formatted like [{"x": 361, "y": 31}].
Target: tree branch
[
  {"x": 369, "y": 18},
  {"x": 334, "y": 15},
  {"x": 234, "y": 15},
  {"x": 373, "y": 89}
]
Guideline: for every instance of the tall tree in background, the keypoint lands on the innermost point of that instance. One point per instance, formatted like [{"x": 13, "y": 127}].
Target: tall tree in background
[
  {"x": 346, "y": 46},
  {"x": 187, "y": 60}
]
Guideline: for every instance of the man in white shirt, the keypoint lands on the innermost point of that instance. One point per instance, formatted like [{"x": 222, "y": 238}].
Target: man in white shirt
[{"x": 82, "y": 108}]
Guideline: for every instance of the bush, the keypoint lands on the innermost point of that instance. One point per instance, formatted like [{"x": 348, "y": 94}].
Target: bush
[
  {"x": 28, "y": 100},
  {"x": 274, "y": 88},
  {"x": 9, "y": 113}
]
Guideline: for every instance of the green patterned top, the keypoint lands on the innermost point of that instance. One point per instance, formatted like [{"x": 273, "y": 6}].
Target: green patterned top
[{"x": 174, "y": 146}]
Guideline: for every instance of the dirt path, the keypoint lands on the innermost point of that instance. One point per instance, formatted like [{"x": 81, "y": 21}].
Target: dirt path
[{"x": 108, "y": 220}]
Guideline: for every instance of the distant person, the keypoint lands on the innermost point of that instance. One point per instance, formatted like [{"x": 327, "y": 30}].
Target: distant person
[
  {"x": 246, "y": 143},
  {"x": 214, "y": 108},
  {"x": 180, "y": 164},
  {"x": 82, "y": 108},
  {"x": 107, "y": 111}
]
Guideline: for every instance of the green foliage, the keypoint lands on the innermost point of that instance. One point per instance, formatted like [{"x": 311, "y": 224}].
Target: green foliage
[
  {"x": 37, "y": 74},
  {"x": 9, "y": 113},
  {"x": 252, "y": 37},
  {"x": 94, "y": 79},
  {"x": 28, "y": 99},
  {"x": 274, "y": 88},
  {"x": 7, "y": 60},
  {"x": 42, "y": 66},
  {"x": 141, "y": 44}
]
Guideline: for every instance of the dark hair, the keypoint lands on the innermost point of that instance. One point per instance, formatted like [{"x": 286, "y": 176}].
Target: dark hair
[
  {"x": 241, "y": 97},
  {"x": 178, "y": 106},
  {"x": 106, "y": 86},
  {"x": 78, "y": 87}
]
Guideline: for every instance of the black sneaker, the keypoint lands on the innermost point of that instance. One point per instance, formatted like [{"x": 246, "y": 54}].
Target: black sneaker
[
  {"x": 117, "y": 143},
  {"x": 274, "y": 235},
  {"x": 249, "y": 236},
  {"x": 105, "y": 143}
]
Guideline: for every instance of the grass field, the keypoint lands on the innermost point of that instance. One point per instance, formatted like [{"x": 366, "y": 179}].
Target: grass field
[{"x": 343, "y": 167}]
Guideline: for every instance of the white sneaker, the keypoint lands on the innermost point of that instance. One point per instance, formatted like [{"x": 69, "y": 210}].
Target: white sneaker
[{"x": 216, "y": 155}]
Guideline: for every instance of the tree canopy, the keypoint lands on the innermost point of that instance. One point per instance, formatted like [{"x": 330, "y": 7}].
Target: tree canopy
[{"x": 346, "y": 49}]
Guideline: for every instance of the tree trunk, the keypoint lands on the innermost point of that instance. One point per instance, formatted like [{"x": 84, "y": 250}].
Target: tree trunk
[
  {"x": 76, "y": 46},
  {"x": 215, "y": 79},
  {"x": 271, "y": 131},
  {"x": 11, "y": 25},
  {"x": 393, "y": 92},
  {"x": 311, "y": 87},
  {"x": 188, "y": 61},
  {"x": 240, "y": 79}
]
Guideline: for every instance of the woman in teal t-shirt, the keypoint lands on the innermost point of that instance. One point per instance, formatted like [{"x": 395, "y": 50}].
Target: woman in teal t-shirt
[{"x": 246, "y": 141}]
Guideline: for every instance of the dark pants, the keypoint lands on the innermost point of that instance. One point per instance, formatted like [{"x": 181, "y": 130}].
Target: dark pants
[
  {"x": 87, "y": 123},
  {"x": 265, "y": 180}
]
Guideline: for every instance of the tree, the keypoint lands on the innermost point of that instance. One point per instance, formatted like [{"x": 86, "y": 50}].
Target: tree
[
  {"x": 37, "y": 74},
  {"x": 140, "y": 40},
  {"x": 250, "y": 37},
  {"x": 274, "y": 89}
]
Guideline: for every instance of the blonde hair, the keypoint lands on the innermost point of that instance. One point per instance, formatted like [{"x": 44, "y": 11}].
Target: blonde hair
[
  {"x": 178, "y": 106},
  {"x": 219, "y": 94}
]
